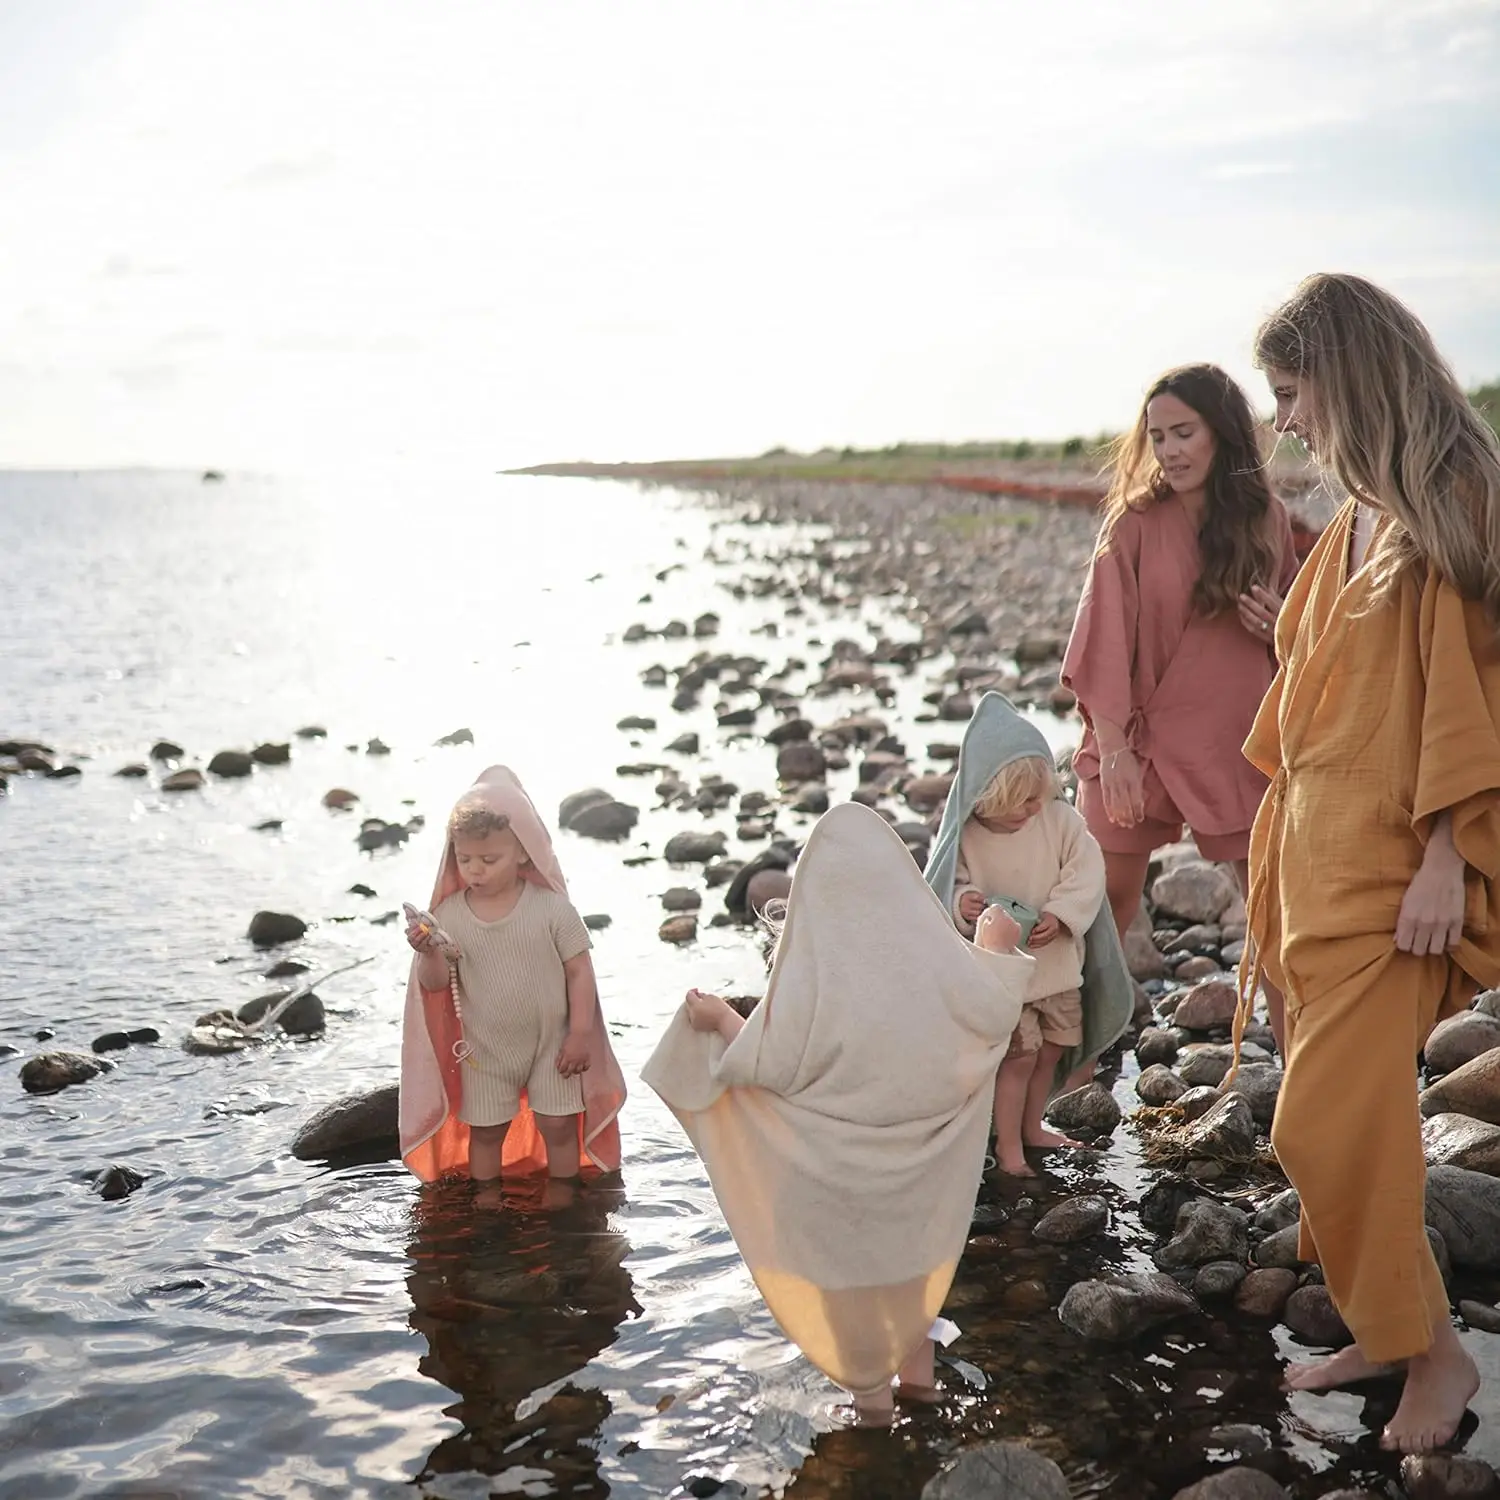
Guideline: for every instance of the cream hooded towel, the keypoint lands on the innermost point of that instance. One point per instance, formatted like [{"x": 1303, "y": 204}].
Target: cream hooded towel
[
  {"x": 433, "y": 1139},
  {"x": 844, "y": 1128}
]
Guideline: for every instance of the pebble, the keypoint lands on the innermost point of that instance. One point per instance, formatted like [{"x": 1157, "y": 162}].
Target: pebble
[
  {"x": 681, "y": 898},
  {"x": 231, "y": 764},
  {"x": 680, "y": 929},
  {"x": 1119, "y": 1307},
  {"x": 188, "y": 780},
  {"x": 339, "y": 798},
  {"x": 1155, "y": 1045},
  {"x": 1219, "y": 1278}
]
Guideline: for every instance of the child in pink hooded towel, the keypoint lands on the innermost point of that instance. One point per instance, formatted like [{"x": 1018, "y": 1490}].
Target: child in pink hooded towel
[{"x": 519, "y": 1074}]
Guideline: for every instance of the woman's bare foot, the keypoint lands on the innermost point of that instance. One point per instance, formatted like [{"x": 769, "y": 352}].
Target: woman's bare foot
[
  {"x": 1049, "y": 1138},
  {"x": 1347, "y": 1367},
  {"x": 1439, "y": 1386}
]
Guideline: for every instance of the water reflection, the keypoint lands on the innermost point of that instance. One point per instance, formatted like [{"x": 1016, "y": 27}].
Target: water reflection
[{"x": 515, "y": 1293}]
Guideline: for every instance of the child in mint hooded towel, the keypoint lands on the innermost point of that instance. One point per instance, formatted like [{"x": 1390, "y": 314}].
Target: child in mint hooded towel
[{"x": 1008, "y": 836}]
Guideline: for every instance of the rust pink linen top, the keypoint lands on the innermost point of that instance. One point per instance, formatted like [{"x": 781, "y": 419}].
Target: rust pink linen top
[{"x": 1184, "y": 688}]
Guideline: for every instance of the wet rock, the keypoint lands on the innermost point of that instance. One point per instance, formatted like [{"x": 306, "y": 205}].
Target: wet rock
[
  {"x": 1204, "y": 1064},
  {"x": 303, "y": 1017},
  {"x": 993, "y": 1469},
  {"x": 167, "y": 750},
  {"x": 1264, "y": 1292},
  {"x": 1480, "y": 1315},
  {"x": 36, "y": 761},
  {"x": 1464, "y": 1207},
  {"x": 1159, "y": 1085},
  {"x": 1473, "y": 1089},
  {"x": 681, "y": 898},
  {"x": 1259, "y": 1085},
  {"x": 376, "y": 833},
  {"x": 1156, "y": 1045},
  {"x": 188, "y": 780},
  {"x": 926, "y": 794},
  {"x": 143, "y": 1035},
  {"x": 737, "y": 718},
  {"x": 1091, "y": 1108},
  {"x": 48, "y": 1072},
  {"x": 1206, "y": 1231},
  {"x": 789, "y": 731},
  {"x": 1280, "y": 1212},
  {"x": 1311, "y": 1315},
  {"x": 764, "y": 887},
  {"x": 1238, "y": 1483},
  {"x": 1195, "y": 891},
  {"x": 1225, "y": 1133},
  {"x": 340, "y": 798},
  {"x": 694, "y": 848},
  {"x": 377, "y": 746},
  {"x": 1072, "y": 1220},
  {"x": 812, "y": 798},
  {"x": 457, "y": 737},
  {"x": 268, "y": 929},
  {"x": 231, "y": 764},
  {"x": 1197, "y": 1102},
  {"x": 684, "y": 744},
  {"x": 312, "y": 732},
  {"x": 604, "y": 819},
  {"x": 597, "y": 921},
  {"x": 1487, "y": 1003},
  {"x": 1459, "y": 1040},
  {"x": 1191, "y": 970},
  {"x": 357, "y": 1124},
  {"x": 1026, "y": 1298},
  {"x": 1458, "y": 1141},
  {"x": 1163, "y": 1201},
  {"x": 117, "y": 1182},
  {"x": 111, "y": 1041},
  {"x": 1197, "y": 938},
  {"x": 7, "y": 1051},
  {"x": 801, "y": 761},
  {"x": 1219, "y": 1278},
  {"x": 706, "y": 624},
  {"x": 1280, "y": 1250},
  {"x": 271, "y": 754},
  {"x": 287, "y": 968},
  {"x": 633, "y": 722},
  {"x": 1446, "y": 1476},
  {"x": 1207, "y": 1005},
  {"x": 679, "y": 929},
  {"x": 1121, "y": 1306},
  {"x": 359, "y": 888}
]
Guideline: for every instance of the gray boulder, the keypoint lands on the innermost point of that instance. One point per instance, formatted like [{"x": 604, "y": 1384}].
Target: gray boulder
[
  {"x": 1459, "y": 1040},
  {"x": 1206, "y": 1231},
  {"x": 994, "y": 1469},
  {"x": 1072, "y": 1220},
  {"x": 1464, "y": 1207},
  {"x": 1120, "y": 1307},
  {"x": 1458, "y": 1141},
  {"x": 48, "y": 1072},
  {"x": 268, "y": 929},
  {"x": 357, "y": 1124},
  {"x": 1159, "y": 1085},
  {"x": 1091, "y": 1109}
]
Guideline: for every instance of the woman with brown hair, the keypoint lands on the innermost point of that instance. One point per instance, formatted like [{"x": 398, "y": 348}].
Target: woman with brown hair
[
  {"x": 1171, "y": 649},
  {"x": 1375, "y": 860}
]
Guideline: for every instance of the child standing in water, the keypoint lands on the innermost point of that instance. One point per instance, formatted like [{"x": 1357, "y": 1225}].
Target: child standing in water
[
  {"x": 503, "y": 1028},
  {"x": 843, "y": 1125},
  {"x": 1023, "y": 843}
]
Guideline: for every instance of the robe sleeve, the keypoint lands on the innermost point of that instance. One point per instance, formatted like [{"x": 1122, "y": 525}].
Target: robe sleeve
[
  {"x": 1099, "y": 664},
  {"x": 1458, "y": 765},
  {"x": 1079, "y": 891}
]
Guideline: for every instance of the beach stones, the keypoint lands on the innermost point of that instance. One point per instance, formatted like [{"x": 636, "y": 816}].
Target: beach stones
[
  {"x": 684, "y": 744},
  {"x": 1311, "y": 1315},
  {"x": 1219, "y": 1278},
  {"x": 1259, "y": 1085},
  {"x": 48, "y": 1072},
  {"x": 1457, "y": 1141},
  {"x": 1194, "y": 891},
  {"x": 1263, "y": 1293},
  {"x": 1091, "y": 1109},
  {"x": 1163, "y": 1201},
  {"x": 1225, "y": 1133},
  {"x": 1447, "y": 1476},
  {"x": 1159, "y": 1085},
  {"x": 1206, "y": 1231},
  {"x": 594, "y": 814},
  {"x": 1281, "y": 1212},
  {"x": 1155, "y": 1045},
  {"x": 694, "y": 848},
  {"x": 303, "y": 1017},
  {"x": 190, "y": 779},
  {"x": 356, "y": 1124},
  {"x": 271, "y": 754},
  {"x": 1280, "y": 1250},
  {"x": 457, "y": 737},
  {"x": 268, "y": 929},
  {"x": 167, "y": 750},
  {"x": 1209, "y": 1004},
  {"x": 117, "y": 1182},
  {"x": 1473, "y": 1089},
  {"x": 1119, "y": 1307},
  {"x": 1204, "y": 1064},
  {"x": 992, "y": 1469},
  {"x": 1464, "y": 1207},
  {"x": 678, "y": 929},
  {"x": 1072, "y": 1220},
  {"x": 231, "y": 764},
  {"x": 681, "y": 898},
  {"x": 1459, "y": 1040},
  {"x": 926, "y": 794},
  {"x": 1238, "y": 1483},
  {"x": 340, "y": 799}
]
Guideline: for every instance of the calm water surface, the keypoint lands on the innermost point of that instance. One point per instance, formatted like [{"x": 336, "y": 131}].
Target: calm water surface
[{"x": 247, "y": 1325}]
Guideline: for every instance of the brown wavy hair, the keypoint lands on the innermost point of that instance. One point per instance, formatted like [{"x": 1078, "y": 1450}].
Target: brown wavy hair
[
  {"x": 1392, "y": 424},
  {"x": 1234, "y": 537}
]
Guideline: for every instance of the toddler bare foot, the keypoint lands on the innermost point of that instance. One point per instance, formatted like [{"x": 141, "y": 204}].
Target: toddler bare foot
[
  {"x": 1014, "y": 1164},
  {"x": 1050, "y": 1138},
  {"x": 1439, "y": 1386},
  {"x": 1347, "y": 1367}
]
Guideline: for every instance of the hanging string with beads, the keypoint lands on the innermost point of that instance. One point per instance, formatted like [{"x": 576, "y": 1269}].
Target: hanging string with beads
[{"x": 461, "y": 1048}]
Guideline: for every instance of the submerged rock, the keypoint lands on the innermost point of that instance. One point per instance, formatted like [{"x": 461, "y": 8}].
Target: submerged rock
[
  {"x": 48, "y": 1072},
  {"x": 996, "y": 1469},
  {"x": 1120, "y": 1307},
  {"x": 268, "y": 929},
  {"x": 1072, "y": 1220},
  {"x": 231, "y": 764},
  {"x": 117, "y": 1182},
  {"x": 1206, "y": 1231},
  {"x": 1091, "y": 1108},
  {"x": 356, "y": 1124},
  {"x": 1238, "y": 1483},
  {"x": 188, "y": 780}
]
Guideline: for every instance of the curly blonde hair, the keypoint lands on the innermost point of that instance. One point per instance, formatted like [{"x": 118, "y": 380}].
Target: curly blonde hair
[
  {"x": 471, "y": 819},
  {"x": 1015, "y": 785}
]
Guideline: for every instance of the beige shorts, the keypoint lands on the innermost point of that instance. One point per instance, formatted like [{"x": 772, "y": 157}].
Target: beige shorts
[
  {"x": 1055, "y": 1018},
  {"x": 492, "y": 1095}
]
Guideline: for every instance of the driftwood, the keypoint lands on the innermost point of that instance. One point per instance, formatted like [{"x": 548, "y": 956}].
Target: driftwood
[{"x": 221, "y": 1031}]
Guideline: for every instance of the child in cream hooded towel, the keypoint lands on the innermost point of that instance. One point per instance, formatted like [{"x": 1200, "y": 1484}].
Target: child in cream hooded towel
[{"x": 844, "y": 1124}]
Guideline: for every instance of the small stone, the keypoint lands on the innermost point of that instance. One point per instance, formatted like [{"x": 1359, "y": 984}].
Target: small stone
[
  {"x": 188, "y": 780},
  {"x": 1446, "y": 1476},
  {"x": 1196, "y": 938},
  {"x": 1205, "y": 1063},
  {"x": 1196, "y": 968},
  {"x": 359, "y": 888},
  {"x": 1207, "y": 1005},
  {"x": 1311, "y": 1315},
  {"x": 694, "y": 848},
  {"x": 1197, "y": 1102},
  {"x": 1280, "y": 1251},
  {"x": 1206, "y": 1231},
  {"x": 377, "y": 746},
  {"x": 597, "y": 921},
  {"x": 1156, "y": 1045},
  {"x": 1072, "y": 1220},
  {"x": 1280, "y": 1212},
  {"x": 271, "y": 754},
  {"x": 1259, "y": 1085},
  {"x": 1480, "y": 1315},
  {"x": 801, "y": 761},
  {"x": 287, "y": 968},
  {"x": 1119, "y": 1307},
  {"x": 608, "y": 821},
  {"x": 167, "y": 750},
  {"x": 48, "y": 1072},
  {"x": 269, "y": 929},
  {"x": 340, "y": 798},
  {"x": 111, "y": 1041},
  {"x": 1091, "y": 1108},
  {"x": 1159, "y": 1085},
  {"x": 1219, "y": 1278},
  {"x": 1195, "y": 891},
  {"x": 312, "y": 732},
  {"x": 303, "y": 1017},
  {"x": 231, "y": 764},
  {"x": 684, "y": 744},
  {"x": 1263, "y": 1293},
  {"x": 457, "y": 737},
  {"x": 1238, "y": 1483},
  {"x": 995, "y": 1469},
  {"x": 1163, "y": 1201},
  {"x": 117, "y": 1182},
  {"x": 133, "y": 772},
  {"x": 143, "y": 1035},
  {"x": 813, "y": 799},
  {"x": 1225, "y": 1133},
  {"x": 363, "y": 1124},
  {"x": 681, "y": 898},
  {"x": 681, "y": 929},
  {"x": 634, "y": 722}
]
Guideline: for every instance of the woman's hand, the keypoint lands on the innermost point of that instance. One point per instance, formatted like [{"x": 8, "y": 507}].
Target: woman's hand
[
  {"x": 1258, "y": 611},
  {"x": 1123, "y": 787},
  {"x": 1432, "y": 911}
]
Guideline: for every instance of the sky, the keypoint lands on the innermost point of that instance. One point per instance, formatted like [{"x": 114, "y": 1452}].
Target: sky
[{"x": 271, "y": 235}]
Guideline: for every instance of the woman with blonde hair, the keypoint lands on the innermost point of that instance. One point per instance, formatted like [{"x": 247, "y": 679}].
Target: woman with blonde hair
[
  {"x": 1171, "y": 649},
  {"x": 1374, "y": 900}
]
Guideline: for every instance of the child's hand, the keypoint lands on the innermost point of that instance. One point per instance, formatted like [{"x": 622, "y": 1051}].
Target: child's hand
[
  {"x": 573, "y": 1055},
  {"x": 1046, "y": 931},
  {"x": 997, "y": 931},
  {"x": 971, "y": 906},
  {"x": 419, "y": 935},
  {"x": 704, "y": 1011}
]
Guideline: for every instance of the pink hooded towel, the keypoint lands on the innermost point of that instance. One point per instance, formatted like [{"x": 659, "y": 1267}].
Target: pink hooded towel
[{"x": 434, "y": 1141}]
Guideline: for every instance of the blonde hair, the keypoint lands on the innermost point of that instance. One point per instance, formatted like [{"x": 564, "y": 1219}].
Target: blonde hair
[
  {"x": 1014, "y": 785},
  {"x": 472, "y": 819},
  {"x": 1234, "y": 534},
  {"x": 1392, "y": 424}
]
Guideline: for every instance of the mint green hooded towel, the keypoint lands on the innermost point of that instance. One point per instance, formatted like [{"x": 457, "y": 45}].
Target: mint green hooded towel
[{"x": 996, "y": 736}]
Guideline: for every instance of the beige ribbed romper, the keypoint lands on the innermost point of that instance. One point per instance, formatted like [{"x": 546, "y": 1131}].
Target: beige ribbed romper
[{"x": 515, "y": 1004}]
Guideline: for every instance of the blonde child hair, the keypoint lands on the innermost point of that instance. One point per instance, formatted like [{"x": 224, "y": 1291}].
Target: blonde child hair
[{"x": 1014, "y": 785}]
